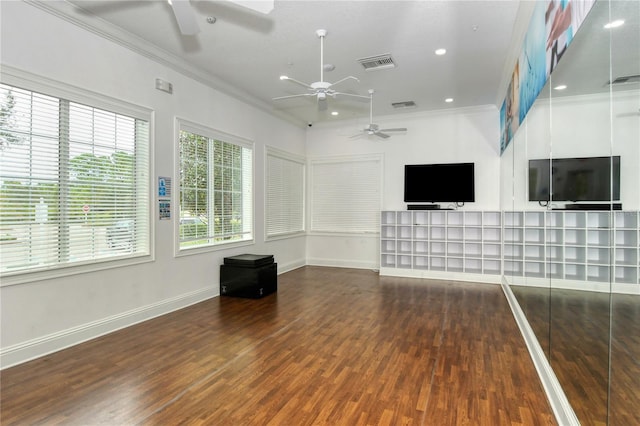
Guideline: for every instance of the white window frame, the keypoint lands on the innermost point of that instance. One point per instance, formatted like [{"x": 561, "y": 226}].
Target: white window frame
[
  {"x": 295, "y": 159},
  {"x": 346, "y": 202},
  {"x": 36, "y": 83},
  {"x": 211, "y": 133}
]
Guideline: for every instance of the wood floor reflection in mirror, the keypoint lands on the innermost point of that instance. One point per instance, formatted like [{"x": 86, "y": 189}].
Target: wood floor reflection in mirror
[{"x": 333, "y": 346}]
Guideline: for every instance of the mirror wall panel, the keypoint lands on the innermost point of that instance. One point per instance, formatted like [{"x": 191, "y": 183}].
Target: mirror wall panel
[{"x": 624, "y": 376}]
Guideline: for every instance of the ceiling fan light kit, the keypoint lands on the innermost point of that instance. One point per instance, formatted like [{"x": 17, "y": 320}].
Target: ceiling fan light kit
[{"x": 321, "y": 89}]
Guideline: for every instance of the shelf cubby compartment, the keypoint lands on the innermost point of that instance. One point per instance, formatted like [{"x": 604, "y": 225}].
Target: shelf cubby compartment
[
  {"x": 599, "y": 237},
  {"x": 472, "y": 233},
  {"x": 388, "y": 246},
  {"x": 627, "y": 256},
  {"x": 574, "y": 220},
  {"x": 403, "y": 261},
  {"x": 513, "y": 251},
  {"x": 491, "y": 267},
  {"x": 473, "y": 266},
  {"x": 534, "y": 269},
  {"x": 575, "y": 254},
  {"x": 513, "y": 235},
  {"x": 455, "y": 233},
  {"x": 455, "y": 218},
  {"x": 420, "y": 262},
  {"x": 626, "y": 220},
  {"x": 491, "y": 251},
  {"x": 513, "y": 268},
  {"x": 454, "y": 249},
  {"x": 555, "y": 253},
  {"x": 575, "y": 236},
  {"x": 491, "y": 219},
  {"x": 600, "y": 220},
  {"x": 534, "y": 252},
  {"x": 404, "y": 232},
  {"x": 420, "y": 232},
  {"x": 388, "y": 218},
  {"x": 534, "y": 235},
  {"x": 513, "y": 218},
  {"x": 626, "y": 274},
  {"x": 437, "y": 263},
  {"x": 491, "y": 235},
  {"x": 405, "y": 218},
  {"x": 388, "y": 260},
  {"x": 437, "y": 248},
  {"x": 437, "y": 233},
  {"x": 573, "y": 271},
  {"x": 404, "y": 247},
  {"x": 626, "y": 238},
  {"x": 554, "y": 236},
  {"x": 555, "y": 219},
  {"x": 534, "y": 219},
  {"x": 599, "y": 273},
  {"x": 473, "y": 219},
  {"x": 421, "y": 218},
  {"x": 599, "y": 255},
  {"x": 437, "y": 218},
  {"x": 555, "y": 270},
  {"x": 420, "y": 248},
  {"x": 472, "y": 250},
  {"x": 455, "y": 264},
  {"x": 388, "y": 231}
]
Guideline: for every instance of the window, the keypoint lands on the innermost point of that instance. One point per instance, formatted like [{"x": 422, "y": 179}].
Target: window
[
  {"x": 284, "y": 194},
  {"x": 73, "y": 183},
  {"x": 346, "y": 195},
  {"x": 216, "y": 197}
]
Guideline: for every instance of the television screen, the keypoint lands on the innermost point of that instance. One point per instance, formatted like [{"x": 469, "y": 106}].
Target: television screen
[
  {"x": 439, "y": 182},
  {"x": 575, "y": 179}
]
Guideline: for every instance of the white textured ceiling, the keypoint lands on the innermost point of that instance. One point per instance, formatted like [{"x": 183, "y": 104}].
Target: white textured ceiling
[{"x": 249, "y": 51}]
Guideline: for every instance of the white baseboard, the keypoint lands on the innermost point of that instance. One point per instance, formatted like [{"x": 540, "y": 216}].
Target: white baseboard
[
  {"x": 35, "y": 348},
  {"x": 340, "y": 263},
  {"x": 557, "y": 399},
  {"x": 286, "y": 267}
]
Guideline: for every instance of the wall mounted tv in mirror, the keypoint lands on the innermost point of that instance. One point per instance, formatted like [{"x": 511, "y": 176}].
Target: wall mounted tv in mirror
[
  {"x": 432, "y": 183},
  {"x": 575, "y": 179}
]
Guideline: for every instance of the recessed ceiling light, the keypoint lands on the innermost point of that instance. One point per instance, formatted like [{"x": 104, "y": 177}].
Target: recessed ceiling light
[
  {"x": 615, "y": 24},
  {"x": 334, "y": 113},
  {"x": 449, "y": 100},
  {"x": 441, "y": 52},
  {"x": 560, "y": 87}
]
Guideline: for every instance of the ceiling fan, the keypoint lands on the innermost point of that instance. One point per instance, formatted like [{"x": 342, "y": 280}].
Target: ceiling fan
[
  {"x": 321, "y": 89},
  {"x": 374, "y": 129},
  {"x": 186, "y": 17}
]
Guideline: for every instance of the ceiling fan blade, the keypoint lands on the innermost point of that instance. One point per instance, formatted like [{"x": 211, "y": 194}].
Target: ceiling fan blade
[
  {"x": 185, "y": 16},
  {"x": 381, "y": 135},
  {"x": 279, "y": 98},
  {"x": 350, "y": 95},
  {"x": 262, "y": 6},
  {"x": 298, "y": 82},
  {"x": 357, "y": 135},
  {"x": 397, "y": 129}
]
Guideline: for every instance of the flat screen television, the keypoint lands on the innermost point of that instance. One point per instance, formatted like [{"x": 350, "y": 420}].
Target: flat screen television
[
  {"x": 575, "y": 179},
  {"x": 431, "y": 183}
]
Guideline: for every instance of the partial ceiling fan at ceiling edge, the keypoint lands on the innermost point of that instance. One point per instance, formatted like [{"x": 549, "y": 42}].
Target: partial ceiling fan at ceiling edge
[
  {"x": 321, "y": 89},
  {"x": 186, "y": 17},
  {"x": 374, "y": 129}
]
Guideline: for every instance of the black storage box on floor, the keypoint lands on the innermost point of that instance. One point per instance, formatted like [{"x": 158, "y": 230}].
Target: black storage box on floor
[{"x": 248, "y": 275}]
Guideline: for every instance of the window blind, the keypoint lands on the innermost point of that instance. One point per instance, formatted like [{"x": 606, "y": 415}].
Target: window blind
[
  {"x": 72, "y": 186},
  {"x": 285, "y": 183},
  {"x": 346, "y": 195}
]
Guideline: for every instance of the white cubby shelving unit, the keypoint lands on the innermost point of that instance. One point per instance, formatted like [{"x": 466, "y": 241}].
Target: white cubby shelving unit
[
  {"x": 442, "y": 244},
  {"x": 575, "y": 249}
]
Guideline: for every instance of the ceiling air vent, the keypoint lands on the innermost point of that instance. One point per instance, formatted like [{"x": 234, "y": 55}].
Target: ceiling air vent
[
  {"x": 626, "y": 79},
  {"x": 379, "y": 62},
  {"x": 405, "y": 104}
]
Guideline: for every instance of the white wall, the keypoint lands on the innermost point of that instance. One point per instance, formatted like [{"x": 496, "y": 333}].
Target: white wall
[
  {"x": 462, "y": 135},
  {"x": 43, "y": 316}
]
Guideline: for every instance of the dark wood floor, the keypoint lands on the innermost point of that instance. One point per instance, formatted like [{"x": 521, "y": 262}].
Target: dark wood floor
[
  {"x": 333, "y": 346},
  {"x": 592, "y": 341}
]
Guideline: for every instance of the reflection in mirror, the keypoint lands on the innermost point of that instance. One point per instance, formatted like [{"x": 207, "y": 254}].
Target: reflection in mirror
[{"x": 624, "y": 380}]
